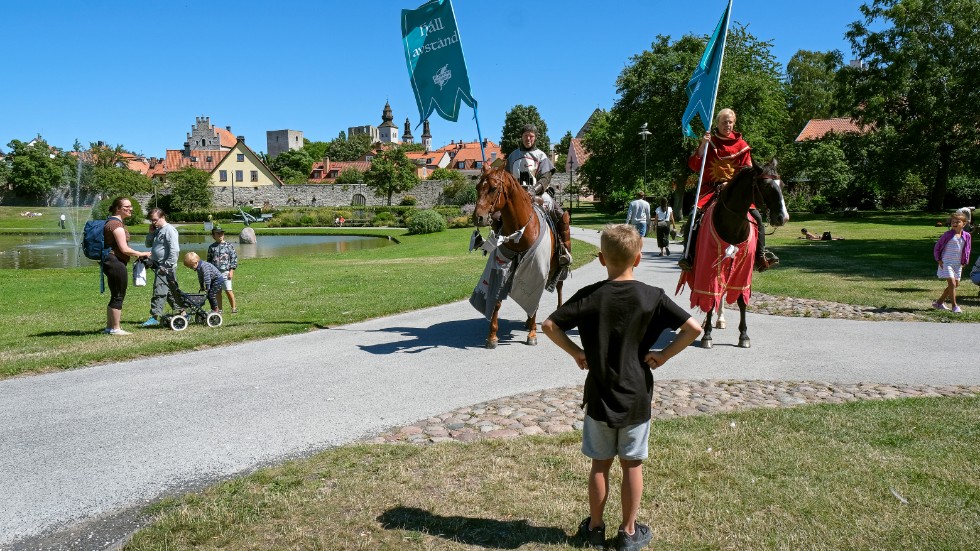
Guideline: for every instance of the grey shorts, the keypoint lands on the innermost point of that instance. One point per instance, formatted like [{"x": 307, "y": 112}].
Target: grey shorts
[
  {"x": 227, "y": 281},
  {"x": 600, "y": 441}
]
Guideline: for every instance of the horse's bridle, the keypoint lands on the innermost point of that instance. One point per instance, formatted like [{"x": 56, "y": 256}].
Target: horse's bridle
[{"x": 493, "y": 204}]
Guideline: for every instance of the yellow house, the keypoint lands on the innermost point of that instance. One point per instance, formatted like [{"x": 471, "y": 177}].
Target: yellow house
[{"x": 242, "y": 167}]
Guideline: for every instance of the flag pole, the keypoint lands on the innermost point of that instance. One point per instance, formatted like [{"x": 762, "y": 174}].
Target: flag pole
[
  {"x": 479, "y": 135},
  {"x": 704, "y": 158}
]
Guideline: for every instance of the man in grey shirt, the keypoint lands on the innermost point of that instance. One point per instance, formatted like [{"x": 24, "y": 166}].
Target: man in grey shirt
[
  {"x": 639, "y": 214},
  {"x": 164, "y": 253}
]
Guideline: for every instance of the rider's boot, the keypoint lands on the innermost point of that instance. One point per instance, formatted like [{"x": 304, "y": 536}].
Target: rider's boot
[
  {"x": 764, "y": 258},
  {"x": 565, "y": 245}
]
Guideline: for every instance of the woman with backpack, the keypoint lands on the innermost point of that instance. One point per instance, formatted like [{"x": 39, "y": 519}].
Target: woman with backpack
[{"x": 116, "y": 238}]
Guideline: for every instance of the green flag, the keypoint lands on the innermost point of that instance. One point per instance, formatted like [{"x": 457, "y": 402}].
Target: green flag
[{"x": 435, "y": 60}]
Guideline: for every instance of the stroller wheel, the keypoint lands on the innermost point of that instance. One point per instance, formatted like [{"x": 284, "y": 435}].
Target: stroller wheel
[
  {"x": 178, "y": 323},
  {"x": 214, "y": 319}
]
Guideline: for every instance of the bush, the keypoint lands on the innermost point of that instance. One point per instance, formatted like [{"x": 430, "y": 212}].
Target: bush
[
  {"x": 384, "y": 219},
  {"x": 963, "y": 190},
  {"x": 408, "y": 201},
  {"x": 100, "y": 211},
  {"x": 819, "y": 204},
  {"x": 426, "y": 221},
  {"x": 461, "y": 222}
]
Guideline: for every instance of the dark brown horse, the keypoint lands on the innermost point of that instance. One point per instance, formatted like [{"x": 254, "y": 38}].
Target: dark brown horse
[
  {"x": 502, "y": 201},
  {"x": 726, "y": 245}
]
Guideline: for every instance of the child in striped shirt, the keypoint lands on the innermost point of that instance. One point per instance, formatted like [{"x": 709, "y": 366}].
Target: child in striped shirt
[{"x": 208, "y": 276}]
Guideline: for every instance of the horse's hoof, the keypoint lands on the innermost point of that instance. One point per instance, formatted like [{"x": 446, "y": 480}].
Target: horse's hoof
[
  {"x": 720, "y": 324},
  {"x": 532, "y": 341},
  {"x": 491, "y": 344},
  {"x": 705, "y": 343},
  {"x": 744, "y": 343}
]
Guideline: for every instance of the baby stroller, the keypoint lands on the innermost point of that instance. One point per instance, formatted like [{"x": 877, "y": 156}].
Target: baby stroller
[{"x": 187, "y": 304}]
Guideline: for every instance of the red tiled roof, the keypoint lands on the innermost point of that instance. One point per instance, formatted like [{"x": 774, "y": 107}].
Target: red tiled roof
[
  {"x": 577, "y": 151},
  {"x": 818, "y": 128},
  {"x": 335, "y": 167},
  {"x": 226, "y": 138},
  {"x": 176, "y": 160}
]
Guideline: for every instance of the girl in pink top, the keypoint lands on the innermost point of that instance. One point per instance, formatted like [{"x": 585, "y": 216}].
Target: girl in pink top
[{"x": 952, "y": 252}]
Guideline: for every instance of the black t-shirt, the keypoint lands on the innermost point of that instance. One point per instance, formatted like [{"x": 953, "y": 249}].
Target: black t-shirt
[{"x": 618, "y": 322}]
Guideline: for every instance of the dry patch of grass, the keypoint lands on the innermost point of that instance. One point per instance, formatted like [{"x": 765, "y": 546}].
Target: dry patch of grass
[{"x": 901, "y": 474}]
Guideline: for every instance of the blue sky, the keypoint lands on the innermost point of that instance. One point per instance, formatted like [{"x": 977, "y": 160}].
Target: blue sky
[{"x": 138, "y": 73}]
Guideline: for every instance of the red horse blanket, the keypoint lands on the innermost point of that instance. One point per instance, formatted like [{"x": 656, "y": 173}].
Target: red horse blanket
[{"x": 716, "y": 273}]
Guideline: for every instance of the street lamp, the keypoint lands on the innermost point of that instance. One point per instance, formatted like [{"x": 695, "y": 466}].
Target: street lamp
[{"x": 644, "y": 132}]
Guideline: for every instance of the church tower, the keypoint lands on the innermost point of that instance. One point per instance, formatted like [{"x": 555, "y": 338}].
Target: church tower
[
  {"x": 407, "y": 134},
  {"x": 388, "y": 132},
  {"x": 426, "y": 136}
]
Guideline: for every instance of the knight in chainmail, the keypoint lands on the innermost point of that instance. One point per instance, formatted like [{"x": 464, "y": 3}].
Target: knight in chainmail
[{"x": 533, "y": 169}]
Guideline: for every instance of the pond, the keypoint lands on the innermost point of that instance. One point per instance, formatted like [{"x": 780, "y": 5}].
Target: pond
[{"x": 28, "y": 252}]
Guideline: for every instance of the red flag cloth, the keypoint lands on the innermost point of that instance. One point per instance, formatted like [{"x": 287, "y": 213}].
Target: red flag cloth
[{"x": 714, "y": 275}]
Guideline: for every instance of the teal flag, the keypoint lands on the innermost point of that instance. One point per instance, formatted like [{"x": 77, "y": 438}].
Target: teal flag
[
  {"x": 703, "y": 86},
  {"x": 435, "y": 60}
]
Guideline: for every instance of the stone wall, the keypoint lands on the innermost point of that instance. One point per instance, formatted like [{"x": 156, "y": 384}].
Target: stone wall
[{"x": 427, "y": 193}]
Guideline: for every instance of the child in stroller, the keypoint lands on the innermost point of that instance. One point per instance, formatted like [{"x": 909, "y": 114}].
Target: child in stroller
[{"x": 187, "y": 304}]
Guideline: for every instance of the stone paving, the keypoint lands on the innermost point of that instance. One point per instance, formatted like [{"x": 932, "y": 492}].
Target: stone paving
[
  {"x": 810, "y": 308},
  {"x": 558, "y": 410}
]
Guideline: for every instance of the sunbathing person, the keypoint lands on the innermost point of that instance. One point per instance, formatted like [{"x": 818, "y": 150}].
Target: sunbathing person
[{"x": 811, "y": 237}]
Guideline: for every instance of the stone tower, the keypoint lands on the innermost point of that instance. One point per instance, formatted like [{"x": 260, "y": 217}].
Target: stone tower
[
  {"x": 388, "y": 132},
  {"x": 281, "y": 141},
  {"x": 205, "y": 137},
  {"x": 426, "y": 136},
  {"x": 407, "y": 134}
]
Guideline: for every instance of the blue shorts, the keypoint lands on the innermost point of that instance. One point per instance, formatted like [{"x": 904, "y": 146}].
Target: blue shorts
[
  {"x": 600, "y": 441},
  {"x": 975, "y": 277}
]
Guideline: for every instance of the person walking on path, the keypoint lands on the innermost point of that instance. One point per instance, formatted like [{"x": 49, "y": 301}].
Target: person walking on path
[
  {"x": 116, "y": 238},
  {"x": 222, "y": 254},
  {"x": 638, "y": 214},
  {"x": 665, "y": 222},
  {"x": 619, "y": 320},
  {"x": 164, "y": 254},
  {"x": 952, "y": 252}
]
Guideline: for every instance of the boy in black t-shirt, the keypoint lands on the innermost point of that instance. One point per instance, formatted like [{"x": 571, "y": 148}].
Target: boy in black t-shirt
[{"x": 619, "y": 320}]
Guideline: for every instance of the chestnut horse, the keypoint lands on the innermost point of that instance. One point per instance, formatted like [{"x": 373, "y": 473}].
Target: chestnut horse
[
  {"x": 504, "y": 202},
  {"x": 726, "y": 245}
]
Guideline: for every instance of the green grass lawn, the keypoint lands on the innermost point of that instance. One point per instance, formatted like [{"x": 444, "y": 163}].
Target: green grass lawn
[
  {"x": 812, "y": 477},
  {"x": 51, "y": 319}
]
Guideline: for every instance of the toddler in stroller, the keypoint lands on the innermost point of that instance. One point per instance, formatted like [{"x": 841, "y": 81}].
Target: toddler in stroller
[{"x": 187, "y": 305}]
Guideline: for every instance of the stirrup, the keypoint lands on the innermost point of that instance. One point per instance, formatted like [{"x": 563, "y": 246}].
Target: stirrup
[
  {"x": 684, "y": 264},
  {"x": 564, "y": 258}
]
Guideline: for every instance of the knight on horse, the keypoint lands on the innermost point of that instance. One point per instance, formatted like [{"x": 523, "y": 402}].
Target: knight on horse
[
  {"x": 533, "y": 169},
  {"x": 727, "y": 153}
]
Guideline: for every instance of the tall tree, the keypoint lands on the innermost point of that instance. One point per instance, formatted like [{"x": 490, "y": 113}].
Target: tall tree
[
  {"x": 391, "y": 172},
  {"x": 514, "y": 121},
  {"x": 352, "y": 149},
  {"x": 293, "y": 166},
  {"x": 114, "y": 180},
  {"x": 562, "y": 150},
  {"x": 35, "y": 169},
  {"x": 811, "y": 82},
  {"x": 652, "y": 90},
  {"x": 104, "y": 156},
  {"x": 190, "y": 189},
  {"x": 922, "y": 80}
]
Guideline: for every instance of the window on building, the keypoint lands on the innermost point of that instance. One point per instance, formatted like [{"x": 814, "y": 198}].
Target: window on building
[
  {"x": 239, "y": 176},
  {"x": 223, "y": 175},
  {"x": 209, "y": 158},
  {"x": 241, "y": 157},
  {"x": 461, "y": 165},
  {"x": 255, "y": 176},
  {"x": 478, "y": 164},
  {"x": 493, "y": 155}
]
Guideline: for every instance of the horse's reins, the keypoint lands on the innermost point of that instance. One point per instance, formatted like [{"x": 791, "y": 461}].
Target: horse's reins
[{"x": 500, "y": 189}]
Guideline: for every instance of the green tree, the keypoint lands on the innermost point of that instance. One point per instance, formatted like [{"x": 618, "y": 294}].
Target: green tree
[
  {"x": 391, "y": 172},
  {"x": 514, "y": 121},
  {"x": 652, "y": 90},
  {"x": 114, "y": 181},
  {"x": 351, "y": 149},
  {"x": 411, "y": 147},
  {"x": 811, "y": 83},
  {"x": 190, "y": 189},
  {"x": 35, "y": 169},
  {"x": 923, "y": 80},
  {"x": 316, "y": 150},
  {"x": 458, "y": 189},
  {"x": 293, "y": 166},
  {"x": 562, "y": 150},
  {"x": 350, "y": 176},
  {"x": 104, "y": 156},
  {"x": 4, "y": 178}
]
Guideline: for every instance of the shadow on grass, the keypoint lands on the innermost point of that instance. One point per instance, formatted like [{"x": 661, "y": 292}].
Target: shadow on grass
[
  {"x": 488, "y": 533},
  {"x": 889, "y": 260}
]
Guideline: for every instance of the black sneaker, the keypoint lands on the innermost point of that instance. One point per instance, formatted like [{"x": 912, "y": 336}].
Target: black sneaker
[
  {"x": 640, "y": 538},
  {"x": 594, "y": 538}
]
